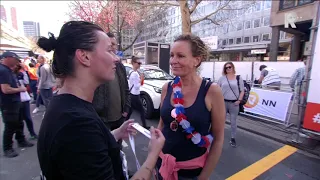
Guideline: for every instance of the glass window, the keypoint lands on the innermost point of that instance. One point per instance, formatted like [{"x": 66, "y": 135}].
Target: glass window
[
  {"x": 266, "y": 37},
  {"x": 156, "y": 74},
  {"x": 249, "y": 10},
  {"x": 258, "y": 6},
  {"x": 225, "y": 28},
  {"x": 224, "y": 42},
  {"x": 247, "y": 25},
  {"x": 301, "y": 2},
  {"x": 230, "y": 41},
  {"x": 266, "y": 21},
  {"x": 255, "y": 38},
  {"x": 246, "y": 39},
  {"x": 256, "y": 23},
  {"x": 284, "y": 4},
  {"x": 231, "y": 27},
  {"x": 239, "y": 26},
  {"x": 267, "y": 4},
  {"x": 238, "y": 40}
]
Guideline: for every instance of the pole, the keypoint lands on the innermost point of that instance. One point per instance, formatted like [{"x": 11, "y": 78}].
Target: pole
[
  {"x": 305, "y": 84},
  {"x": 118, "y": 28}
]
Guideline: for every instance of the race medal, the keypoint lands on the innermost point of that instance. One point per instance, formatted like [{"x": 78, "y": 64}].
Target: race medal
[{"x": 174, "y": 125}]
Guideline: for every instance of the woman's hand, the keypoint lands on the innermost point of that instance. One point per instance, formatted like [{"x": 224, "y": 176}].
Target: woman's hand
[
  {"x": 123, "y": 131},
  {"x": 156, "y": 142}
]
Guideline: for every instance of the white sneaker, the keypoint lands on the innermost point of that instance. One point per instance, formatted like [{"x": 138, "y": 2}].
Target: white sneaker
[{"x": 35, "y": 110}]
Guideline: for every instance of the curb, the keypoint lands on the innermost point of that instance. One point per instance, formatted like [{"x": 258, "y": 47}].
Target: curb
[{"x": 314, "y": 152}]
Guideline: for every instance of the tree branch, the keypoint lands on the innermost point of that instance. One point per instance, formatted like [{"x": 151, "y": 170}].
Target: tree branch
[
  {"x": 134, "y": 40},
  {"x": 196, "y": 3},
  {"x": 207, "y": 16},
  {"x": 156, "y": 4},
  {"x": 81, "y": 7}
]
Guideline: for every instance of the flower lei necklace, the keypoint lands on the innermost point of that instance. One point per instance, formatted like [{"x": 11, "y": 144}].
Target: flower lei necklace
[{"x": 180, "y": 118}]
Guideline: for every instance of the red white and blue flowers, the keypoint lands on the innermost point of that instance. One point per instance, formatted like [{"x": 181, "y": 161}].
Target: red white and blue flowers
[{"x": 180, "y": 118}]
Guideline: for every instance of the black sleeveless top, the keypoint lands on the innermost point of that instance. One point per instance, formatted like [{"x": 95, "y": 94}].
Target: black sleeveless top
[{"x": 176, "y": 142}]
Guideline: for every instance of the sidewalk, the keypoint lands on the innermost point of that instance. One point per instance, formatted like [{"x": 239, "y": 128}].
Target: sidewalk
[{"x": 277, "y": 132}]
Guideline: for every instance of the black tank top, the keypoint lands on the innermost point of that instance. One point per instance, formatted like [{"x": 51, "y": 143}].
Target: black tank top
[{"x": 176, "y": 142}]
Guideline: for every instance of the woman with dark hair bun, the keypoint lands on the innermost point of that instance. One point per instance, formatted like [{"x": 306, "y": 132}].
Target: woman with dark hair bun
[{"x": 73, "y": 141}]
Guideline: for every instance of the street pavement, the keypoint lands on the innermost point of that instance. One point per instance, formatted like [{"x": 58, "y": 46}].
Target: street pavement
[{"x": 254, "y": 158}]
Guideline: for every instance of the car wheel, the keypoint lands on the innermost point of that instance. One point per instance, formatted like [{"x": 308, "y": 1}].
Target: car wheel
[{"x": 147, "y": 106}]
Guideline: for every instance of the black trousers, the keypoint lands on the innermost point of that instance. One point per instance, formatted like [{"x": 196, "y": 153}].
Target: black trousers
[
  {"x": 137, "y": 105},
  {"x": 13, "y": 124}
]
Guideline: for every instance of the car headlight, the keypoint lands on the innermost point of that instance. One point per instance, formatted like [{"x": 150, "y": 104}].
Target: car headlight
[{"x": 157, "y": 89}]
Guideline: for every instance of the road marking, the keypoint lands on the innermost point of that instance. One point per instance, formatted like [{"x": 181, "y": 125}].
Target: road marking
[{"x": 261, "y": 166}]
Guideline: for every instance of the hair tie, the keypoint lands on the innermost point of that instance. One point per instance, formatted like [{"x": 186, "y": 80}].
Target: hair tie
[{"x": 53, "y": 40}]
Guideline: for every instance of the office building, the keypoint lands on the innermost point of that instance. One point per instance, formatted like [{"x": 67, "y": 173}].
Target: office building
[
  {"x": 245, "y": 35},
  {"x": 304, "y": 16},
  {"x": 31, "y": 29}
]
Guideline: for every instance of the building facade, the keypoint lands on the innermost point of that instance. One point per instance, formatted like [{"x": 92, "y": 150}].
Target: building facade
[
  {"x": 303, "y": 14},
  {"x": 245, "y": 35},
  {"x": 31, "y": 29}
]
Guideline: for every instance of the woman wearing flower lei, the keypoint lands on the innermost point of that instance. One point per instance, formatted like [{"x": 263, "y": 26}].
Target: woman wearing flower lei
[{"x": 192, "y": 116}]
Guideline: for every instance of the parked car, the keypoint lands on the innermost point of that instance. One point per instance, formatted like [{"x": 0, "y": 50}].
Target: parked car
[{"x": 154, "y": 79}]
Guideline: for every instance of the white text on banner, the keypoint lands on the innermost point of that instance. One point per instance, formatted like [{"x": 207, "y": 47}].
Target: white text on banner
[{"x": 268, "y": 103}]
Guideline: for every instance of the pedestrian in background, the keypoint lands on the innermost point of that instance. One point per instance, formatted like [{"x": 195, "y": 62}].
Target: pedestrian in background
[
  {"x": 135, "y": 84},
  {"x": 232, "y": 97},
  {"x": 112, "y": 99},
  {"x": 10, "y": 105},
  {"x": 74, "y": 142},
  {"x": 269, "y": 78},
  {"x": 298, "y": 76},
  {"x": 25, "y": 100},
  {"x": 46, "y": 81},
  {"x": 33, "y": 81}
]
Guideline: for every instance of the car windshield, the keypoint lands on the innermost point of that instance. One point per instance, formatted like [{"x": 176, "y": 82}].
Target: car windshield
[{"x": 156, "y": 74}]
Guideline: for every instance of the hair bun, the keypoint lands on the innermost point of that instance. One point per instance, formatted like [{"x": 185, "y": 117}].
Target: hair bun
[{"x": 47, "y": 44}]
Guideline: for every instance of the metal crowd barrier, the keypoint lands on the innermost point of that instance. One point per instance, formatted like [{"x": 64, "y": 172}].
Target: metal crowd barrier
[{"x": 283, "y": 88}]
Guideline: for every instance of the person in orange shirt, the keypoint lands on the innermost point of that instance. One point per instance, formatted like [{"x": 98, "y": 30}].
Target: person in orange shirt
[{"x": 33, "y": 81}]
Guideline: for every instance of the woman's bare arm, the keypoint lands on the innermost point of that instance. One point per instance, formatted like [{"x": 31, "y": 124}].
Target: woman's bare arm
[
  {"x": 163, "y": 94},
  {"x": 217, "y": 127}
]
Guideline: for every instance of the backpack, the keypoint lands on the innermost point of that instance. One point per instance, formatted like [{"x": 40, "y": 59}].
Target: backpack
[{"x": 247, "y": 90}]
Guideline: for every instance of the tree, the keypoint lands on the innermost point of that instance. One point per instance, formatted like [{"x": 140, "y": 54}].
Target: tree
[
  {"x": 224, "y": 10},
  {"x": 112, "y": 16}
]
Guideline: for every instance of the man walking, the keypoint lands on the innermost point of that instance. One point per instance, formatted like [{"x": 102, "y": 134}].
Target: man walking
[
  {"x": 112, "y": 100},
  {"x": 10, "y": 104},
  {"x": 46, "y": 81}
]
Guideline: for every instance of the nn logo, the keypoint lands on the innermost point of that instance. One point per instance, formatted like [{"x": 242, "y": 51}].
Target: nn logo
[
  {"x": 269, "y": 103},
  {"x": 290, "y": 18}
]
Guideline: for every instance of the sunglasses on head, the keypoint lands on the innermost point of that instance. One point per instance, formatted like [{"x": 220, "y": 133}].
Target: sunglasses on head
[{"x": 228, "y": 67}]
